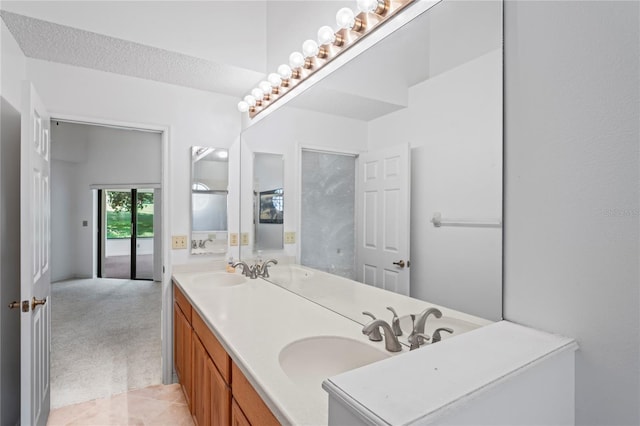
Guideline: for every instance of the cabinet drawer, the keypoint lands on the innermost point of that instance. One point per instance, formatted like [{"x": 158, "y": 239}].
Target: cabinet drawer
[
  {"x": 253, "y": 407},
  {"x": 213, "y": 347},
  {"x": 183, "y": 302}
]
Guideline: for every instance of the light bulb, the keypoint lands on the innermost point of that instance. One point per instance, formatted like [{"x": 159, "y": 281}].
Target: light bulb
[
  {"x": 326, "y": 35},
  {"x": 367, "y": 6},
  {"x": 243, "y": 106},
  {"x": 265, "y": 86},
  {"x": 285, "y": 71},
  {"x": 296, "y": 60},
  {"x": 310, "y": 48},
  {"x": 250, "y": 100},
  {"x": 274, "y": 79},
  {"x": 258, "y": 93},
  {"x": 345, "y": 18}
]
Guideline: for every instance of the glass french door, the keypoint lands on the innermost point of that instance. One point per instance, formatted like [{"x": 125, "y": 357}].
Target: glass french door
[{"x": 126, "y": 233}]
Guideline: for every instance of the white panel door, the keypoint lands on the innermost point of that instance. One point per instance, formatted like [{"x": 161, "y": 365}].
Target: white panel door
[
  {"x": 384, "y": 212},
  {"x": 35, "y": 274}
]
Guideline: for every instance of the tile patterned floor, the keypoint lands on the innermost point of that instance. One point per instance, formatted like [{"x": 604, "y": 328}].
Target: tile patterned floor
[{"x": 154, "y": 405}]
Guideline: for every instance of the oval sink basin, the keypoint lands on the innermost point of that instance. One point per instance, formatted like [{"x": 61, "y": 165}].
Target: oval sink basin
[
  {"x": 309, "y": 361},
  {"x": 219, "y": 279}
]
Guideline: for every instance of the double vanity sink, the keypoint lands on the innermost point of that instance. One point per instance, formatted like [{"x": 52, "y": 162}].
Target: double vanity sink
[
  {"x": 310, "y": 363},
  {"x": 287, "y": 345}
]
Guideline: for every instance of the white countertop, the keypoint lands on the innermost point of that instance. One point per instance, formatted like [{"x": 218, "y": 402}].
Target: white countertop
[
  {"x": 255, "y": 320},
  {"x": 425, "y": 383}
]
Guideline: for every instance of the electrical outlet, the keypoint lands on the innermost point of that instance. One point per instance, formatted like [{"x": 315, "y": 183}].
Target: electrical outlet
[
  {"x": 244, "y": 239},
  {"x": 233, "y": 240},
  {"x": 179, "y": 242},
  {"x": 290, "y": 237}
]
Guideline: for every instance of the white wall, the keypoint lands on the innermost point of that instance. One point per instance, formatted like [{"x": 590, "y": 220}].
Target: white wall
[
  {"x": 453, "y": 124},
  {"x": 13, "y": 70},
  {"x": 64, "y": 219},
  {"x": 572, "y": 185},
  {"x": 194, "y": 118},
  {"x": 91, "y": 155},
  {"x": 284, "y": 132}
]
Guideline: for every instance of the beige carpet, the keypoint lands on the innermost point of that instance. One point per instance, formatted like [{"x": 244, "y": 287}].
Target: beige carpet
[{"x": 105, "y": 338}]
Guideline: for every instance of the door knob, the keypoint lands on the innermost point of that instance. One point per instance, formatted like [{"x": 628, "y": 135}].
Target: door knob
[
  {"x": 399, "y": 263},
  {"x": 35, "y": 302},
  {"x": 14, "y": 305}
]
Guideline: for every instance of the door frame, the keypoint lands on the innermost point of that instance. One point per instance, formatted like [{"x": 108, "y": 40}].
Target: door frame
[{"x": 167, "y": 299}]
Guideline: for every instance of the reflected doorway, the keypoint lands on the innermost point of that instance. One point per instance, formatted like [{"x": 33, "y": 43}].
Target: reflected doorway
[{"x": 126, "y": 233}]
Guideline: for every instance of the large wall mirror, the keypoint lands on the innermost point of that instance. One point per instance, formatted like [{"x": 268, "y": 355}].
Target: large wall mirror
[
  {"x": 392, "y": 165},
  {"x": 209, "y": 192}
]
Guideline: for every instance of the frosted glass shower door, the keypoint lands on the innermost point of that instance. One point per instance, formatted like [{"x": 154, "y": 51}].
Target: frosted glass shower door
[{"x": 327, "y": 232}]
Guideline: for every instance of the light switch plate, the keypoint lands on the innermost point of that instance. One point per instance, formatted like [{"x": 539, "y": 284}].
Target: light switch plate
[
  {"x": 179, "y": 242},
  {"x": 233, "y": 239},
  {"x": 290, "y": 237},
  {"x": 244, "y": 239}
]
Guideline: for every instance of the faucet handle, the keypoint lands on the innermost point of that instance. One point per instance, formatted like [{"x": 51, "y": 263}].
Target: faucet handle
[
  {"x": 417, "y": 339},
  {"x": 375, "y": 335},
  {"x": 395, "y": 322},
  {"x": 436, "y": 334}
]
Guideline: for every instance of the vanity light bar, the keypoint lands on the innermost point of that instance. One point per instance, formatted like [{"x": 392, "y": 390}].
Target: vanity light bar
[{"x": 330, "y": 44}]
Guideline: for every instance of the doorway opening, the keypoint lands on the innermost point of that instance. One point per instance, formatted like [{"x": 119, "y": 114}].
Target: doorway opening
[
  {"x": 126, "y": 237},
  {"x": 104, "y": 328}
]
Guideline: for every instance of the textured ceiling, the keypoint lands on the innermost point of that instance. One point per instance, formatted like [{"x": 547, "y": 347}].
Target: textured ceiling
[
  {"x": 59, "y": 43},
  {"x": 215, "y": 30}
]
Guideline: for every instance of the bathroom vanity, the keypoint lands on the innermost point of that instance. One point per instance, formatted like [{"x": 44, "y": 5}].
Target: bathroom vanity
[{"x": 251, "y": 352}]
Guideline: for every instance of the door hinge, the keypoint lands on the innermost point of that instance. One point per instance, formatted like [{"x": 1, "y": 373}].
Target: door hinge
[{"x": 25, "y": 306}]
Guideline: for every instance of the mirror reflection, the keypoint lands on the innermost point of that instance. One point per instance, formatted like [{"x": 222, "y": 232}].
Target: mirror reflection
[
  {"x": 209, "y": 191},
  {"x": 408, "y": 131}
]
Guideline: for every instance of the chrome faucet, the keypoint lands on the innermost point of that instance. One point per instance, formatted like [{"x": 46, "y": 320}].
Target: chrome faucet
[
  {"x": 374, "y": 336},
  {"x": 418, "y": 325},
  {"x": 391, "y": 342},
  {"x": 247, "y": 271},
  {"x": 263, "y": 270}
]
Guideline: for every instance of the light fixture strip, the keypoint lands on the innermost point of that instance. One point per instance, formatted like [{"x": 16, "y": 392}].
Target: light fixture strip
[{"x": 364, "y": 24}]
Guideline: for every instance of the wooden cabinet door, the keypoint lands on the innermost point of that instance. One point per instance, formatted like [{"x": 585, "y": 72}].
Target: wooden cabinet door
[
  {"x": 182, "y": 352},
  {"x": 219, "y": 396},
  {"x": 237, "y": 416},
  {"x": 211, "y": 394},
  {"x": 201, "y": 387}
]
